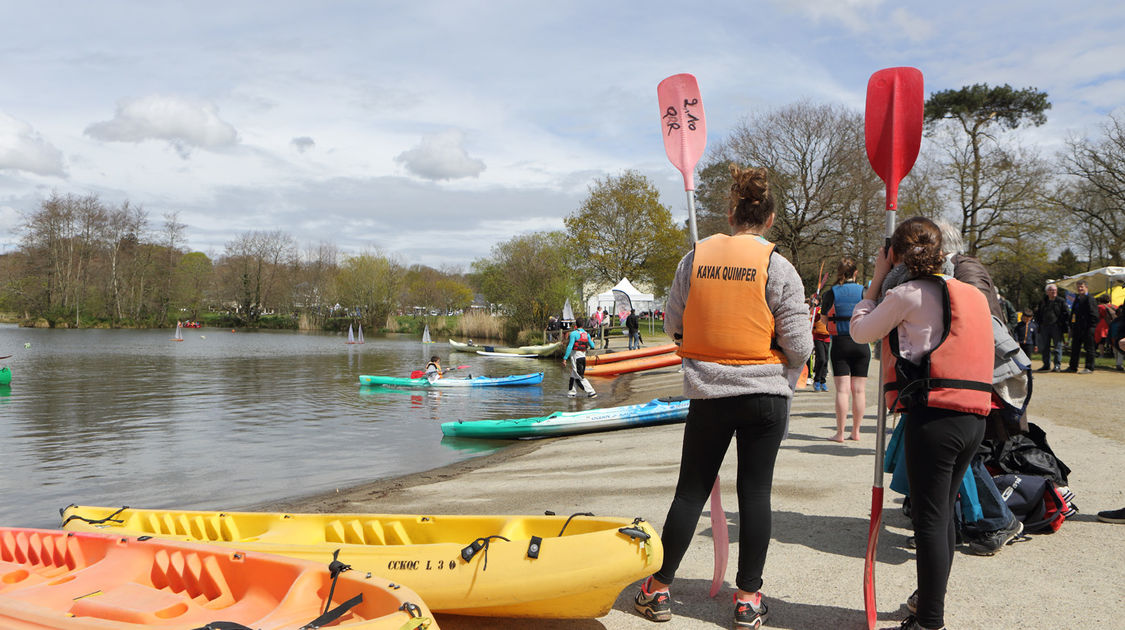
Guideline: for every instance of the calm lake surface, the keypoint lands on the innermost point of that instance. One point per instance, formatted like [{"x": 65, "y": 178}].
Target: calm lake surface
[{"x": 227, "y": 420}]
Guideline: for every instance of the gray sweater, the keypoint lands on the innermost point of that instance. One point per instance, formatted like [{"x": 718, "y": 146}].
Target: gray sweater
[{"x": 785, "y": 296}]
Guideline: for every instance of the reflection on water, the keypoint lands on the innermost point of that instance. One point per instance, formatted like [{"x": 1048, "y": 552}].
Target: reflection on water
[{"x": 227, "y": 420}]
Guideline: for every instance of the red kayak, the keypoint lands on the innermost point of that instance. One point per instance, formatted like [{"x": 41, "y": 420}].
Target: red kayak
[{"x": 610, "y": 357}]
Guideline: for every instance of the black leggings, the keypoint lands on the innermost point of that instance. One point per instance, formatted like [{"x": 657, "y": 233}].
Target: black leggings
[
  {"x": 939, "y": 445},
  {"x": 758, "y": 422},
  {"x": 820, "y": 365}
]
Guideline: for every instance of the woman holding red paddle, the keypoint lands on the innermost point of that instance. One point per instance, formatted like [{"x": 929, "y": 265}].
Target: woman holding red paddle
[{"x": 937, "y": 369}]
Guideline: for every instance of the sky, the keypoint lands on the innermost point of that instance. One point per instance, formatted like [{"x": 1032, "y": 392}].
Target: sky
[{"x": 433, "y": 130}]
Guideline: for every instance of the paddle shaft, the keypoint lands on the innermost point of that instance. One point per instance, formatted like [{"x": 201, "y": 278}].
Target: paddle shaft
[{"x": 691, "y": 216}]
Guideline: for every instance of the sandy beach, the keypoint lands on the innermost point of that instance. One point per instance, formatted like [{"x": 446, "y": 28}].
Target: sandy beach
[{"x": 821, "y": 500}]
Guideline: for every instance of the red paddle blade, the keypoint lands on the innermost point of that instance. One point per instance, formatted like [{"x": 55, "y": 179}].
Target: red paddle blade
[
  {"x": 869, "y": 561},
  {"x": 683, "y": 124},
  {"x": 893, "y": 125}
]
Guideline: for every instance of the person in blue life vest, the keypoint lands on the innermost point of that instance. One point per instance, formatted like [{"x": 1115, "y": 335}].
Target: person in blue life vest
[
  {"x": 850, "y": 360},
  {"x": 937, "y": 363},
  {"x": 577, "y": 343},
  {"x": 736, "y": 307}
]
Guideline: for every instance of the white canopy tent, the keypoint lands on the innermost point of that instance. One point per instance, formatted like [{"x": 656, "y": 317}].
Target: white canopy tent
[
  {"x": 1098, "y": 280},
  {"x": 641, "y": 301}
]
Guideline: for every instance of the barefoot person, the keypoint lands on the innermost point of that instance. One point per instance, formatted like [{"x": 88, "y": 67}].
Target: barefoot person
[
  {"x": 850, "y": 360},
  {"x": 937, "y": 366},
  {"x": 737, "y": 308}
]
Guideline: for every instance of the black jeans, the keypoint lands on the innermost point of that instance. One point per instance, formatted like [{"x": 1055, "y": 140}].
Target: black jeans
[
  {"x": 820, "y": 364},
  {"x": 939, "y": 446},
  {"x": 1081, "y": 338},
  {"x": 757, "y": 422}
]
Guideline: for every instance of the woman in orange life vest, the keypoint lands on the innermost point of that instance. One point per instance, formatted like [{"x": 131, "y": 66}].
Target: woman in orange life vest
[
  {"x": 937, "y": 367},
  {"x": 737, "y": 308},
  {"x": 850, "y": 360}
]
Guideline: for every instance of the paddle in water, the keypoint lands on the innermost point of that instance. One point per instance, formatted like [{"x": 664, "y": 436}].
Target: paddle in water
[
  {"x": 421, "y": 373},
  {"x": 893, "y": 135},
  {"x": 684, "y": 129}
]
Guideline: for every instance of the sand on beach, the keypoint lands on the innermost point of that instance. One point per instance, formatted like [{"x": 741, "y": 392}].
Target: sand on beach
[{"x": 821, "y": 502}]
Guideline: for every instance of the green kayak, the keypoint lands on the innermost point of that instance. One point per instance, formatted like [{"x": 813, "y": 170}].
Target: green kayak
[{"x": 5, "y": 375}]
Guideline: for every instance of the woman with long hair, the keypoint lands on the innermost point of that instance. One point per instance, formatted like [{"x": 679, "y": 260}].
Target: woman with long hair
[
  {"x": 937, "y": 361},
  {"x": 740, "y": 337}
]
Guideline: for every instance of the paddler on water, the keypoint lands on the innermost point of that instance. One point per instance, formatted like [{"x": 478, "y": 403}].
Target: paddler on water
[
  {"x": 942, "y": 382},
  {"x": 433, "y": 369},
  {"x": 742, "y": 339}
]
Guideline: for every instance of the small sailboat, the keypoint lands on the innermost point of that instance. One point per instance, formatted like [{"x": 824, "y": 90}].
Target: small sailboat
[
  {"x": 426, "y": 335},
  {"x": 351, "y": 335},
  {"x": 179, "y": 332},
  {"x": 359, "y": 339}
]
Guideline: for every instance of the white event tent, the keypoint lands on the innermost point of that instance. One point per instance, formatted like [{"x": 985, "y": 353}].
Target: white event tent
[{"x": 641, "y": 301}]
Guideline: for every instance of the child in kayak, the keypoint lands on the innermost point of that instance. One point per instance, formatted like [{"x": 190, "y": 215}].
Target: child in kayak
[{"x": 433, "y": 369}]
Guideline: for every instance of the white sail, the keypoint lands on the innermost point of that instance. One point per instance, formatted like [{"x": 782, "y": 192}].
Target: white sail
[
  {"x": 351, "y": 335},
  {"x": 568, "y": 311},
  {"x": 426, "y": 335},
  {"x": 179, "y": 332},
  {"x": 360, "y": 338}
]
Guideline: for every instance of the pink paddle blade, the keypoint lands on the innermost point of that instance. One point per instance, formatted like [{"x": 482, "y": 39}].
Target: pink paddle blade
[
  {"x": 869, "y": 560},
  {"x": 893, "y": 125},
  {"x": 720, "y": 537},
  {"x": 682, "y": 123}
]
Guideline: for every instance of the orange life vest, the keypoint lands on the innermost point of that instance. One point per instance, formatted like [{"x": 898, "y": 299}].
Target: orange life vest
[
  {"x": 957, "y": 373},
  {"x": 726, "y": 317}
]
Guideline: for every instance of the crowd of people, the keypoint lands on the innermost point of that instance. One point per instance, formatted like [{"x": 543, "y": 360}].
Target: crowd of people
[{"x": 954, "y": 361}]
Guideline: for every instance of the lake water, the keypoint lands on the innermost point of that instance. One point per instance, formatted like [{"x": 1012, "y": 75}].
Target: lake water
[{"x": 226, "y": 420}]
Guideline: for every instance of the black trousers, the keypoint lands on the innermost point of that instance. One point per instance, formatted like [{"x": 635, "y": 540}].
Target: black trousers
[
  {"x": 757, "y": 422},
  {"x": 1081, "y": 338},
  {"x": 820, "y": 363},
  {"x": 939, "y": 445}
]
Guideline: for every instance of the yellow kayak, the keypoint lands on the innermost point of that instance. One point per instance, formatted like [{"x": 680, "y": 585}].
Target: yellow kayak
[
  {"x": 504, "y": 566},
  {"x": 56, "y": 580}
]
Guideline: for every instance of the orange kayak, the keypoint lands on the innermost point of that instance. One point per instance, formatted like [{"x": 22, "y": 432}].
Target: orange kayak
[
  {"x": 611, "y": 357},
  {"x": 634, "y": 365},
  {"x": 53, "y": 579}
]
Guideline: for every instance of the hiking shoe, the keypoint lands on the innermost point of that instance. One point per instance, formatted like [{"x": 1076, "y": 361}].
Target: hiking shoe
[
  {"x": 747, "y": 615},
  {"x": 655, "y": 606},
  {"x": 570, "y": 394},
  {"x": 1112, "y": 516},
  {"x": 1086, "y": 371},
  {"x": 912, "y": 602},
  {"x": 992, "y": 542}
]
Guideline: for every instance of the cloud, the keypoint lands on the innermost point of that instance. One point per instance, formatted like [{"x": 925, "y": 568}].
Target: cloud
[
  {"x": 23, "y": 149},
  {"x": 441, "y": 156},
  {"x": 184, "y": 123},
  {"x": 851, "y": 13},
  {"x": 914, "y": 27},
  {"x": 303, "y": 143}
]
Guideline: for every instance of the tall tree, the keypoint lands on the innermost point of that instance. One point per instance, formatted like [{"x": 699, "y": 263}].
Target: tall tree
[
  {"x": 528, "y": 277},
  {"x": 621, "y": 230},
  {"x": 370, "y": 283},
  {"x": 986, "y": 178},
  {"x": 1095, "y": 194}
]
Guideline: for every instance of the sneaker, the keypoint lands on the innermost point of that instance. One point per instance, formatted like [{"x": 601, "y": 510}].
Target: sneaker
[
  {"x": 1072, "y": 370},
  {"x": 1112, "y": 516},
  {"x": 1120, "y": 368},
  {"x": 1056, "y": 369},
  {"x": 594, "y": 395},
  {"x": 910, "y": 623},
  {"x": 1045, "y": 368},
  {"x": 1086, "y": 371},
  {"x": 747, "y": 615},
  {"x": 824, "y": 387},
  {"x": 912, "y": 602},
  {"x": 570, "y": 394},
  {"x": 993, "y": 542},
  {"x": 654, "y": 606}
]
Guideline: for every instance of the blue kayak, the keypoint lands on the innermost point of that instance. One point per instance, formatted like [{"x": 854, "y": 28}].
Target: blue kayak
[
  {"x": 657, "y": 411},
  {"x": 479, "y": 381}
]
